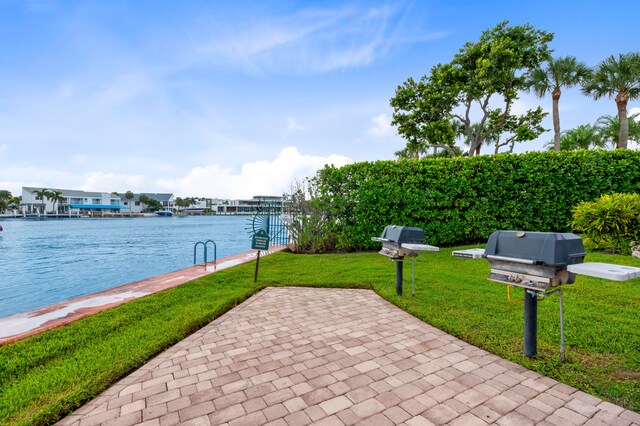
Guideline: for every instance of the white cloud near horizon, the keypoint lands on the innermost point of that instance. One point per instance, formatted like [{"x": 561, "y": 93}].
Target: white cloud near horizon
[
  {"x": 263, "y": 177},
  {"x": 255, "y": 178}
]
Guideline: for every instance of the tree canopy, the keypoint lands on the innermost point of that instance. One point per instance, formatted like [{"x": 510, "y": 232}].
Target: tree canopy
[{"x": 472, "y": 96}]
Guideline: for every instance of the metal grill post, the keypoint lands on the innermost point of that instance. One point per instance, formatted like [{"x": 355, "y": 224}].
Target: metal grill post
[
  {"x": 399, "y": 277},
  {"x": 530, "y": 323}
]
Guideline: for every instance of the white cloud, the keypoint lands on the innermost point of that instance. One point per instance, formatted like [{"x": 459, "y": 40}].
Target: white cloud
[
  {"x": 255, "y": 178},
  {"x": 309, "y": 41},
  {"x": 108, "y": 182},
  {"x": 381, "y": 127},
  {"x": 635, "y": 110}
]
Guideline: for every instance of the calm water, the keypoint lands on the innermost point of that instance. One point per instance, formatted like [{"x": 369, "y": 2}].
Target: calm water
[{"x": 48, "y": 261}]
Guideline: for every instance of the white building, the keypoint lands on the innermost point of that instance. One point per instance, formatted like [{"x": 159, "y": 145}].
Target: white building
[
  {"x": 70, "y": 202},
  {"x": 248, "y": 206},
  {"x": 74, "y": 202}
]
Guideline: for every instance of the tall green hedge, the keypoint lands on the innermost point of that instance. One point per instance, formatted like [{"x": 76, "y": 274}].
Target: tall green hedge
[{"x": 463, "y": 200}]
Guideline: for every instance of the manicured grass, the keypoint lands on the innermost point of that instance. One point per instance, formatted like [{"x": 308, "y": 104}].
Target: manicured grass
[{"x": 46, "y": 377}]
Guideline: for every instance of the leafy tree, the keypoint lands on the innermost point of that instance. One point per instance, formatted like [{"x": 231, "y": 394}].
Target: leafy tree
[
  {"x": 5, "y": 196},
  {"x": 483, "y": 80},
  {"x": 42, "y": 194},
  {"x": 144, "y": 200},
  {"x": 620, "y": 78},
  {"x": 152, "y": 204},
  {"x": 179, "y": 201},
  {"x": 14, "y": 202},
  {"x": 129, "y": 196},
  {"x": 420, "y": 114},
  {"x": 584, "y": 136},
  {"x": 609, "y": 126},
  {"x": 565, "y": 71}
]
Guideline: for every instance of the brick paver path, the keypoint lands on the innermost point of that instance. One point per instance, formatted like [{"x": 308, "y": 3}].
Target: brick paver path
[{"x": 296, "y": 356}]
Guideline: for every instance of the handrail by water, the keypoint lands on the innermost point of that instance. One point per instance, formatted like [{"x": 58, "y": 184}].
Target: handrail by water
[
  {"x": 194, "y": 252},
  {"x": 215, "y": 251},
  {"x": 204, "y": 244}
]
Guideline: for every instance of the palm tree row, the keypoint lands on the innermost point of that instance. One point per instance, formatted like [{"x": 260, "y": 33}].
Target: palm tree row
[
  {"x": 617, "y": 78},
  {"x": 44, "y": 194},
  {"x": 604, "y": 132}
]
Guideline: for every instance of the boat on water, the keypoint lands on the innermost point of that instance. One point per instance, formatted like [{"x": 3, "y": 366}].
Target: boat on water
[{"x": 165, "y": 212}]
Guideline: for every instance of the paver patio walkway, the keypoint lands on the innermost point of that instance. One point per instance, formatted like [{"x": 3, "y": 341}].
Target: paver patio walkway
[{"x": 296, "y": 356}]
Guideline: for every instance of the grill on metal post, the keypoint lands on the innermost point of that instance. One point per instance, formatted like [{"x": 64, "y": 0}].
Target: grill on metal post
[
  {"x": 399, "y": 242},
  {"x": 536, "y": 261},
  {"x": 541, "y": 262}
]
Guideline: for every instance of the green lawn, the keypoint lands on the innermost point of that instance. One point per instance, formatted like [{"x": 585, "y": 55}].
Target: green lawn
[{"x": 46, "y": 377}]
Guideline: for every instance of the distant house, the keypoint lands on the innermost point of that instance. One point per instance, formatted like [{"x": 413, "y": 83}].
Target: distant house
[
  {"x": 136, "y": 206},
  {"x": 248, "y": 206},
  {"x": 73, "y": 202}
]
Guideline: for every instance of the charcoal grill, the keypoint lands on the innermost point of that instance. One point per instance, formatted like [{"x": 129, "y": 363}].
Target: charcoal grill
[{"x": 399, "y": 242}]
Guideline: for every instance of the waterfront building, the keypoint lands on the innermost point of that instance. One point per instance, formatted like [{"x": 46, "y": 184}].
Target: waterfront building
[
  {"x": 248, "y": 206},
  {"x": 86, "y": 203},
  {"x": 71, "y": 202}
]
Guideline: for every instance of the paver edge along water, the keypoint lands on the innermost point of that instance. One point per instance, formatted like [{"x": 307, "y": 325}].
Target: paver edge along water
[
  {"x": 298, "y": 355},
  {"x": 20, "y": 326}
]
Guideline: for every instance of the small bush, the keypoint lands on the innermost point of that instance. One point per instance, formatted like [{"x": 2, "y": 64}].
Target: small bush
[{"x": 612, "y": 219}]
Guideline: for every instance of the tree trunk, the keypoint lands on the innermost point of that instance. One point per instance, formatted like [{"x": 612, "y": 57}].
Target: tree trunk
[
  {"x": 621, "y": 101},
  {"x": 555, "y": 96}
]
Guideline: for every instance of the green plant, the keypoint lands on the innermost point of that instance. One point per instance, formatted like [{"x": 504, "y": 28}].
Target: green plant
[
  {"x": 613, "y": 219},
  {"x": 463, "y": 200},
  {"x": 308, "y": 226}
]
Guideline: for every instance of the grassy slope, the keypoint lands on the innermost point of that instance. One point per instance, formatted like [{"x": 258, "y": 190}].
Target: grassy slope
[{"x": 46, "y": 377}]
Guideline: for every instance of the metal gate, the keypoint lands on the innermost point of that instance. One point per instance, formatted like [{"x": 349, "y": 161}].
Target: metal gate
[{"x": 269, "y": 216}]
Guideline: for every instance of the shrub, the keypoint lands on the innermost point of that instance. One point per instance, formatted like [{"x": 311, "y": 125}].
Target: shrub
[
  {"x": 611, "y": 219},
  {"x": 463, "y": 200}
]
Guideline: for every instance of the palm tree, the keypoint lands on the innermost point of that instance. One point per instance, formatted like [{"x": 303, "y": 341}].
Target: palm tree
[
  {"x": 129, "y": 196},
  {"x": 565, "y": 71},
  {"x": 620, "y": 78},
  {"x": 609, "y": 126},
  {"x": 144, "y": 200},
  {"x": 584, "y": 136},
  {"x": 42, "y": 194},
  {"x": 56, "y": 197}
]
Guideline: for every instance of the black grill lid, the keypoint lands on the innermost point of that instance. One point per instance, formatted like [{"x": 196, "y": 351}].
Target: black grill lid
[
  {"x": 543, "y": 248},
  {"x": 403, "y": 234}
]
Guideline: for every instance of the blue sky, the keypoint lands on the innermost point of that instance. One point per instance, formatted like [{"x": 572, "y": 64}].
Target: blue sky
[{"x": 236, "y": 98}]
